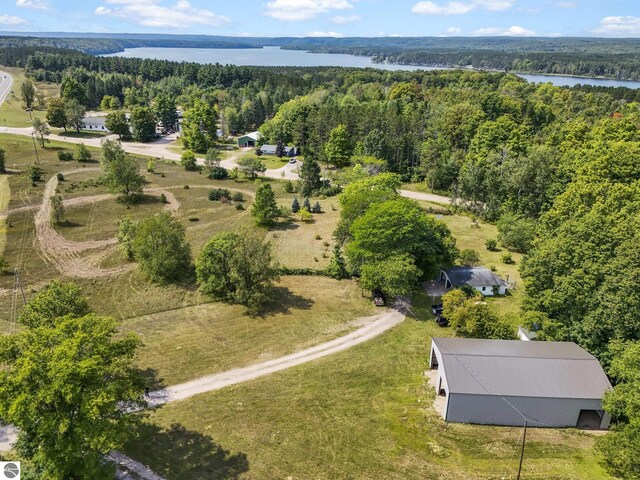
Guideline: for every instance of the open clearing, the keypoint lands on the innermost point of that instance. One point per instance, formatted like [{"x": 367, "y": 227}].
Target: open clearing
[
  {"x": 12, "y": 111},
  {"x": 364, "y": 413}
]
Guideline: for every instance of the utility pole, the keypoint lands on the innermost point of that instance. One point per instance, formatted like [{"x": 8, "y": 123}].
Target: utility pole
[{"x": 524, "y": 439}]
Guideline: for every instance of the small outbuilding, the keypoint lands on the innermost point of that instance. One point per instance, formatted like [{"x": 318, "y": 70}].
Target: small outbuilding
[
  {"x": 480, "y": 278},
  {"x": 95, "y": 123},
  {"x": 271, "y": 150},
  {"x": 505, "y": 382},
  {"x": 249, "y": 139}
]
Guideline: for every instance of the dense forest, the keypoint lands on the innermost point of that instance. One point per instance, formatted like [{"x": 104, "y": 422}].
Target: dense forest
[
  {"x": 610, "y": 58},
  {"x": 556, "y": 168}
]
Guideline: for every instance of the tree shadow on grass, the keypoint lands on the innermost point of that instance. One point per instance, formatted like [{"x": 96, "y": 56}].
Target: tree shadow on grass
[
  {"x": 180, "y": 454},
  {"x": 284, "y": 226},
  {"x": 285, "y": 301}
]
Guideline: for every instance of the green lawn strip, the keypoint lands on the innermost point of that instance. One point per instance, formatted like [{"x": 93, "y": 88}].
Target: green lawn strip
[{"x": 363, "y": 413}]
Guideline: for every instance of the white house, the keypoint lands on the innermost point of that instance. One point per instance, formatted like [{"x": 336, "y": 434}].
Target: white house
[
  {"x": 508, "y": 382},
  {"x": 480, "y": 278},
  {"x": 249, "y": 139}
]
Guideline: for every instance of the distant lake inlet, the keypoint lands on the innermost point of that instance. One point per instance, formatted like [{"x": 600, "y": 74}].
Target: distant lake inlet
[{"x": 277, "y": 57}]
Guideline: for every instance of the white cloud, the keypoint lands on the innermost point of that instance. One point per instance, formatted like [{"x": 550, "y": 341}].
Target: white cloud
[
  {"x": 460, "y": 8},
  {"x": 11, "y": 20},
  {"x": 341, "y": 19},
  {"x": 495, "y": 5},
  {"x": 619, "y": 27},
  {"x": 451, "y": 8},
  {"x": 296, "y": 10},
  {"x": 564, "y": 4},
  {"x": 324, "y": 34},
  {"x": 150, "y": 13},
  {"x": 514, "y": 31},
  {"x": 35, "y": 4},
  {"x": 453, "y": 31}
]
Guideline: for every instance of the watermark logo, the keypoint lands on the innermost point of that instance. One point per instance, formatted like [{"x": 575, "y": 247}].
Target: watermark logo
[{"x": 9, "y": 470}]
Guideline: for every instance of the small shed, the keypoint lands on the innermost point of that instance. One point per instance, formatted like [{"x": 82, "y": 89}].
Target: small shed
[
  {"x": 505, "y": 382},
  {"x": 480, "y": 278},
  {"x": 249, "y": 139}
]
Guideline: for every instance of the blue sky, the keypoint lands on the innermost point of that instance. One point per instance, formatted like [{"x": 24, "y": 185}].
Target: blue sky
[{"x": 606, "y": 18}]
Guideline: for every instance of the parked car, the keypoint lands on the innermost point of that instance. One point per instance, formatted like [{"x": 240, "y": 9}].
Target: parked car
[
  {"x": 378, "y": 298},
  {"x": 442, "y": 321},
  {"x": 293, "y": 160},
  {"x": 437, "y": 309}
]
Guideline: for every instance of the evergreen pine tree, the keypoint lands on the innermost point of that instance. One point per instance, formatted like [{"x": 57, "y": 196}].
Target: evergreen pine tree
[
  {"x": 310, "y": 180},
  {"x": 317, "y": 208},
  {"x": 307, "y": 204},
  {"x": 337, "y": 266},
  {"x": 295, "y": 205}
]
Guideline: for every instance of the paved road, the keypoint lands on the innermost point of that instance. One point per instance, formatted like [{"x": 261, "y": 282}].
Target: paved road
[{"x": 6, "y": 82}]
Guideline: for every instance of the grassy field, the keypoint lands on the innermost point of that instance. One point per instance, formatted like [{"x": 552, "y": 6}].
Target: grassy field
[
  {"x": 271, "y": 162},
  {"x": 12, "y": 111},
  {"x": 362, "y": 414},
  {"x": 185, "y": 343}
]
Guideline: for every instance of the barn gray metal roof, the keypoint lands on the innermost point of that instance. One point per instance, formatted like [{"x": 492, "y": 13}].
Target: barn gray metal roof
[
  {"x": 473, "y": 276},
  {"x": 524, "y": 369}
]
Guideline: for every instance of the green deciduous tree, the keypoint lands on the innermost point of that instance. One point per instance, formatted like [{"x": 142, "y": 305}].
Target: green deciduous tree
[
  {"x": 164, "y": 107},
  {"x": 116, "y": 122},
  {"x": 56, "y": 300},
  {"x": 251, "y": 166},
  {"x": 199, "y": 127},
  {"x": 516, "y": 232},
  {"x": 57, "y": 113},
  {"x": 64, "y": 381},
  {"x": 395, "y": 275},
  {"x": 121, "y": 173},
  {"x": 40, "y": 129},
  {"x": 471, "y": 317},
  {"x": 265, "y": 209},
  {"x": 160, "y": 248},
  {"x": 74, "y": 112},
  {"x": 143, "y": 124},
  {"x": 237, "y": 267},
  {"x": 620, "y": 448},
  {"x": 3, "y": 161},
  {"x": 28, "y": 92},
  {"x": 126, "y": 234},
  {"x": 339, "y": 148}
]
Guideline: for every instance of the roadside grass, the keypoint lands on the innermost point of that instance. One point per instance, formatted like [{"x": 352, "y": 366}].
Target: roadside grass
[
  {"x": 81, "y": 134},
  {"x": 183, "y": 344},
  {"x": 365, "y": 413},
  {"x": 12, "y": 111}
]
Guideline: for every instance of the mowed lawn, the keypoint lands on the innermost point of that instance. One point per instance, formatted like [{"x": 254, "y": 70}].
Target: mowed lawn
[
  {"x": 365, "y": 413},
  {"x": 185, "y": 343}
]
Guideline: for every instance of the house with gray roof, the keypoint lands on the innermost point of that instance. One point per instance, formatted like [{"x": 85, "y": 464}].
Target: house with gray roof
[
  {"x": 480, "y": 278},
  {"x": 508, "y": 382}
]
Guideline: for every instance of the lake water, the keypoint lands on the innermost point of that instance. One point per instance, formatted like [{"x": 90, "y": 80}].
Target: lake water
[{"x": 276, "y": 57}]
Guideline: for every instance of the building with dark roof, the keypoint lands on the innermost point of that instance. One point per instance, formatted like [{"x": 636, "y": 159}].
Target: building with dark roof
[
  {"x": 508, "y": 382},
  {"x": 480, "y": 278}
]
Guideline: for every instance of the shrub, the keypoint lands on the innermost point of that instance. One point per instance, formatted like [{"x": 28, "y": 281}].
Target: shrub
[
  {"x": 193, "y": 218},
  {"x": 218, "y": 194},
  {"x": 60, "y": 177},
  {"x": 65, "y": 156},
  {"x": 469, "y": 257},
  {"x": 316, "y": 208},
  {"x": 318, "y": 237},
  {"x": 491, "y": 244},
  {"x": 239, "y": 206},
  {"x": 238, "y": 197},
  {"x": 186, "y": 187},
  {"x": 218, "y": 173},
  {"x": 188, "y": 161},
  {"x": 288, "y": 187},
  {"x": 163, "y": 198},
  {"x": 507, "y": 258}
]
